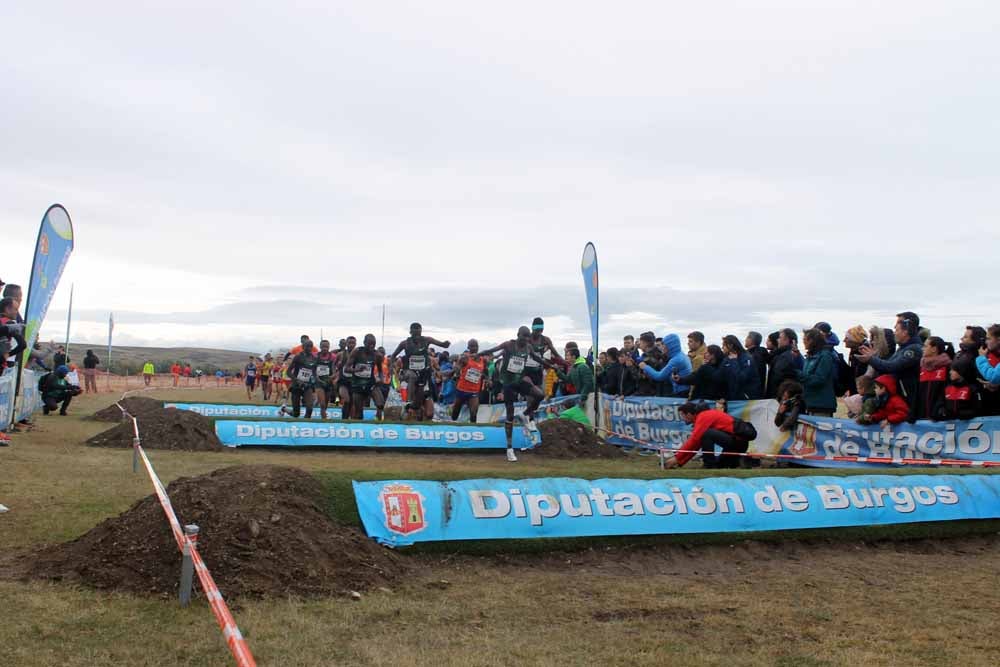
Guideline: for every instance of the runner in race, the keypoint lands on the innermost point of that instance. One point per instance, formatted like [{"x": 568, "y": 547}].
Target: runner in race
[
  {"x": 540, "y": 344},
  {"x": 265, "y": 376},
  {"x": 417, "y": 369},
  {"x": 278, "y": 381},
  {"x": 363, "y": 363},
  {"x": 250, "y": 376},
  {"x": 302, "y": 371},
  {"x": 346, "y": 375},
  {"x": 471, "y": 373},
  {"x": 326, "y": 372},
  {"x": 515, "y": 382}
]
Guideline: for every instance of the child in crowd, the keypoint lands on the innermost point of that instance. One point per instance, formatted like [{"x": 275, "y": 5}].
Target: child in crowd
[
  {"x": 792, "y": 404},
  {"x": 863, "y": 402},
  {"x": 890, "y": 408}
]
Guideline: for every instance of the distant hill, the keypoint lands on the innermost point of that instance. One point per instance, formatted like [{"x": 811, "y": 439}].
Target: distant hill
[{"x": 132, "y": 358}]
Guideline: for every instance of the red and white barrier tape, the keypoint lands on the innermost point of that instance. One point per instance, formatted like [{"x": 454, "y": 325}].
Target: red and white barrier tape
[
  {"x": 815, "y": 457},
  {"x": 234, "y": 638}
]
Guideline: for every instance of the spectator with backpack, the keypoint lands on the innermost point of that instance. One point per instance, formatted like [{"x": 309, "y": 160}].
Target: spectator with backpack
[
  {"x": 712, "y": 428},
  {"x": 57, "y": 392}
]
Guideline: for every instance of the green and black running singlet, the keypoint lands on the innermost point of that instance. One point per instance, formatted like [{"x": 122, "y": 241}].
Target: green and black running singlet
[
  {"x": 532, "y": 366},
  {"x": 305, "y": 370},
  {"x": 416, "y": 358},
  {"x": 324, "y": 368},
  {"x": 514, "y": 364},
  {"x": 364, "y": 365}
]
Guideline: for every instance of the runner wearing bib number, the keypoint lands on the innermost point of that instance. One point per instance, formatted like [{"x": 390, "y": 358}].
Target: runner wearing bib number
[
  {"x": 250, "y": 373},
  {"x": 302, "y": 371},
  {"x": 346, "y": 374},
  {"x": 265, "y": 376},
  {"x": 364, "y": 361},
  {"x": 540, "y": 344},
  {"x": 512, "y": 374},
  {"x": 417, "y": 368},
  {"x": 471, "y": 373},
  {"x": 326, "y": 369}
]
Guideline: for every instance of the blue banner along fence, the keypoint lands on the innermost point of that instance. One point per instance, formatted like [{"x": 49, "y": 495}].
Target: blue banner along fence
[
  {"x": 973, "y": 440},
  {"x": 272, "y": 411},
  {"x": 402, "y": 512},
  {"x": 234, "y": 433}
]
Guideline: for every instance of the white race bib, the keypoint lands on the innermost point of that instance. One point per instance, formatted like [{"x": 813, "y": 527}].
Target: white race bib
[
  {"x": 418, "y": 363},
  {"x": 322, "y": 371},
  {"x": 515, "y": 364},
  {"x": 364, "y": 371},
  {"x": 473, "y": 375},
  {"x": 531, "y": 363},
  {"x": 304, "y": 375}
]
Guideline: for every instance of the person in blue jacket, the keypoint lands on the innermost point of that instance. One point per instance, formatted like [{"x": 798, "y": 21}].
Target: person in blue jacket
[
  {"x": 989, "y": 372},
  {"x": 677, "y": 362},
  {"x": 739, "y": 371}
]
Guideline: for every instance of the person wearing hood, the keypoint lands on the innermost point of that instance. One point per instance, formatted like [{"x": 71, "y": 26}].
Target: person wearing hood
[
  {"x": 678, "y": 363},
  {"x": 57, "y": 392},
  {"x": 891, "y": 408},
  {"x": 739, "y": 371},
  {"x": 934, "y": 367},
  {"x": 904, "y": 364},
  {"x": 817, "y": 376},
  {"x": 696, "y": 349}
]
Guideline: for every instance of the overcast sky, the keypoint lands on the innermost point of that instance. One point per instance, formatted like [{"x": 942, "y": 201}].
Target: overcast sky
[{"x": 238, "y": 175}]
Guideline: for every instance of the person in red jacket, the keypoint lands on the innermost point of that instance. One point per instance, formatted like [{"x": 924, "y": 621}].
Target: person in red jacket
[
  {"x": 892, "y": 408},
  {"x": 711, "y": 428}
]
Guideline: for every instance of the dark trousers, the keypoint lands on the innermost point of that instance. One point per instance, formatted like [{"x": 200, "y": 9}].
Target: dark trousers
[
  {"x": 52, "y": 403},
  {"x": 728, "y": 442}
]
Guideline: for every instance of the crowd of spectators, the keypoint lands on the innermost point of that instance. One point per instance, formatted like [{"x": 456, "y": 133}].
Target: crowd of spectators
[{"x": 884, "y": 376}]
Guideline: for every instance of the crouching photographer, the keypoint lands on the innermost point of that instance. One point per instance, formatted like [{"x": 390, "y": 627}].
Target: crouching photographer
[{"x": 56, "y": 390}]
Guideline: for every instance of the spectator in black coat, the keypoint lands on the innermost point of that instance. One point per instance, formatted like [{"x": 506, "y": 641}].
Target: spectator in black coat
[
  {"x": 616, "y": 380},
  {"x": 785, "y": 364},
  {"x": 707, "y": 382},
  {"x": 904, "y": 364},
  {"x": 760, "y": 357}
]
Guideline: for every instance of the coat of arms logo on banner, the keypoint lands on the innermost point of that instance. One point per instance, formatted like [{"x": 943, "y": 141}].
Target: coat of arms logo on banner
[{"x": 403, "y": 508}]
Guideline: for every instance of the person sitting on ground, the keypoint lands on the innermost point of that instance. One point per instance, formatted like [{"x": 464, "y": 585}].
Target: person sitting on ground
[
  {"x": 711, "y": 428},
  {"x": 934, "y": 367},
  {"x": 817, "y": 376},
  {"x": 863, "y": 402},
  {"x": 792, "y": 404},
  {"x": 56, "y": 391},
  {"x": 677, "y": 364},
  {"x": 890, "y": 408},
  {"x": 696, "y": 349},
  {"x": 707, "y": 383}
]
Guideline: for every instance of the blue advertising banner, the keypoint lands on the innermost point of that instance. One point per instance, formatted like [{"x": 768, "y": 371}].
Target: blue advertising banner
[
  {"x": 234, "y": 433},
  {"x": 496, "y": 413},
  {"x": 234, "y": 410},
  {"x": 973, "y": 440},
  {"x": 402, "y": 512},
  {"x": 52, "y": 250}
]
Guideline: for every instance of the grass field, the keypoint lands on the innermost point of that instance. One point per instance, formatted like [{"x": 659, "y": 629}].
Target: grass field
[{"x": 919, "y": 594}]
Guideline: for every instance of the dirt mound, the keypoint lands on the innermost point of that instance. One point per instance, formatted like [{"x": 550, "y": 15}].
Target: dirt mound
[
  {"x": 264, "y": 533},
  {"x": 567, "y": 439},
  {"x": 168, "y": 428},
  {"x": 137, "y": 406}
]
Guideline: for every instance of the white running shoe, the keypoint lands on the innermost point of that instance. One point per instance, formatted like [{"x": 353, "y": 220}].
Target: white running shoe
[{"x": 511, "y": 456}]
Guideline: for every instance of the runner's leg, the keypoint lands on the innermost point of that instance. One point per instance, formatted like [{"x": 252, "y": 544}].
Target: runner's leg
[
  {"x": 509, "y": 396},
  {"x": 378, "y": 397}
]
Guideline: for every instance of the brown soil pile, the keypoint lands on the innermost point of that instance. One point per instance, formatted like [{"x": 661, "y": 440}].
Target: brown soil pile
[
  {"x": 168, "y": 428},
  {"x": 137, "y": 406},
  {"x": 264, "y": 533},
  {"x": 567, "y": 439}
]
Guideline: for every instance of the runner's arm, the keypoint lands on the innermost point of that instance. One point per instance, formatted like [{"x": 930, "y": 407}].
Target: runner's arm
[{"x": 435, "y": 341}]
